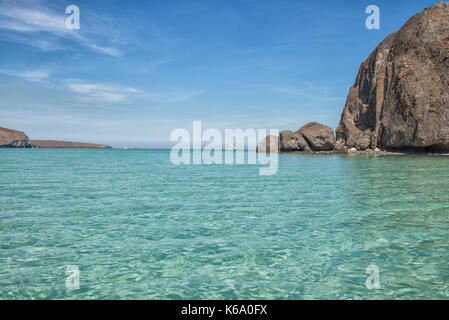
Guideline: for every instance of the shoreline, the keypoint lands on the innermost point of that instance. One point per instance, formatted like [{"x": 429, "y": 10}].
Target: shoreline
[
  {"x": 348, "y": 153},
  {"x": 369, "y": 153}
]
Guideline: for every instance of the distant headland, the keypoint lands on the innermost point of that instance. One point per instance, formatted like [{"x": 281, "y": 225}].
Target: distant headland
[
  {"x": 17, "y": 139},
  {"x": 66, "y": 144}
]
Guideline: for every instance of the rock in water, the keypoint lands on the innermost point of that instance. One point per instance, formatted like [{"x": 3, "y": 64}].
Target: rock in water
[
  {"x": 289, "y": 141},
  {"x": 13, "y": 139},
  {"x": 293, "y": 141},
  {"x": 267, "y": 142},
  {"x": 318, "y": 137},
  {"x": 400, "y": 99}
]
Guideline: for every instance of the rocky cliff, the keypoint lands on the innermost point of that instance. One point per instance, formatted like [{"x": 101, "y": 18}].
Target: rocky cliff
[
  {"x": 400, "y": 100},
  {"x": 13, "y": 139}
]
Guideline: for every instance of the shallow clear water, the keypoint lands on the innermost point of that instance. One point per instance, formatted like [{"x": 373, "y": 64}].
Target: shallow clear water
[{"x": 139, "y": 227}]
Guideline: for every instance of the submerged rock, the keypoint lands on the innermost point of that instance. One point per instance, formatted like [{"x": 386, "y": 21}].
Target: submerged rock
[
  {"x": 13, "y": 139},
  {"x": 400, "y": 99}
]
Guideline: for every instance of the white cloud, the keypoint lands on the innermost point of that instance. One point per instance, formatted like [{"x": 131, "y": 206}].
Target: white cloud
[
  {"x": 26, "y": 19},
  {"x": 27, "y": 75},
  {"x": 171, "y": 97},
  {"x": 102, "y": 92},
  {"x": 36, "y": 25},
  {"x": 117, "y": 94},
  {"x": 104, "y": 50}
]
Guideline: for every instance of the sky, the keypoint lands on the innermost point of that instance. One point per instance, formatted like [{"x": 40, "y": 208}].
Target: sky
[{"x": 136, "y": 70}]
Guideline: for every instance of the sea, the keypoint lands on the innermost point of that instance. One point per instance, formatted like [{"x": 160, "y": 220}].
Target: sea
[{"x": 130, "y": 224}]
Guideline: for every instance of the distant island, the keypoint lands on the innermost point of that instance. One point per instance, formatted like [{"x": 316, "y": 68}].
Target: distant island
[
  {"x": 66, "y": 144},
  {"x": 17, "y": 139}
]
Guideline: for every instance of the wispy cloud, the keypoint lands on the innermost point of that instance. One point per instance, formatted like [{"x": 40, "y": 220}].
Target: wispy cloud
[
  {"x": 105, "y": 50},
  {"x": 35, "y": 117},
  {"x": 102, "y": 92},
  {"x": 35, "y": 24},
  {"x": 171, "y": 97},
  {"x": 27, "y": 75},
  {"x": 305, "y": 90},
  {"x": 152, "y": 65},
  {"x": 306, "y": 93},
  {"x": 90, "y": 92}
]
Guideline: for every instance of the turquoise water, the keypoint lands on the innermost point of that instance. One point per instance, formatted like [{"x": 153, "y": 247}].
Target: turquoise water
[{"x": 139, "y": 227}]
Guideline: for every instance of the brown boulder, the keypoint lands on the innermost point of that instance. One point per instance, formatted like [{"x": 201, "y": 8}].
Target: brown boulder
[
  {"x": 13, "y": 139},
  {"x": 400, "y": 99},
  {"x": 316, "y": 137},
  {"x": 293, "y": 141},
  {"x": 267, "y": 143},
  {"x": 289, "y": 141}
]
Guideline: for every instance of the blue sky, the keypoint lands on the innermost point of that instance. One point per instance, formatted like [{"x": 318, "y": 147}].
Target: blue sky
[{"x": 136, "y": 70}]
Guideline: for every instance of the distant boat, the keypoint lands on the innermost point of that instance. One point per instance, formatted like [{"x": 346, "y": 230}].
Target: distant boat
[
  {"x": 126, "y": 148},
  {"x": 230, "y": 147}
]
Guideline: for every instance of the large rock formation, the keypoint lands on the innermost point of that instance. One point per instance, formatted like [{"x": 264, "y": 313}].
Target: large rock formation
[
  {"x": 66, "y": 144},
  {"x": 400, "y": 99},
  {"x": 288, "y": 141},
  {"x": 13, "y": 139},
  {"x": 311, "y": 137}
]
